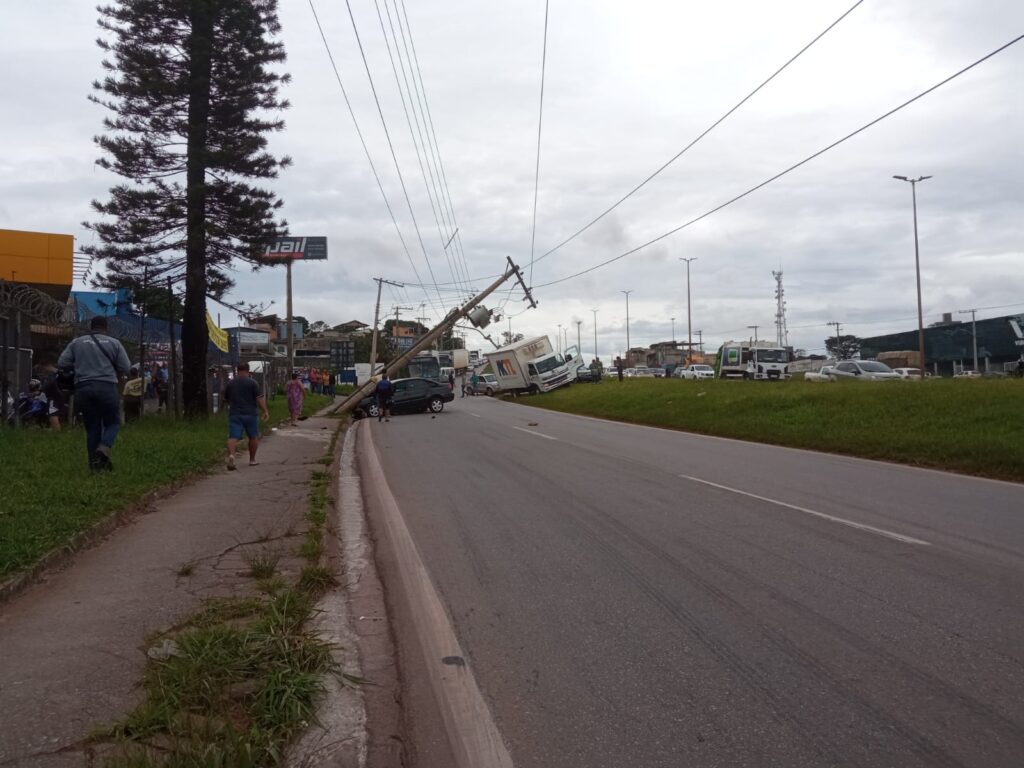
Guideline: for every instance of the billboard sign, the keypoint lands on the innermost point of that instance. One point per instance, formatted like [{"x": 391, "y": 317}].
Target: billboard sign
[{"x": 296, "y": 249}]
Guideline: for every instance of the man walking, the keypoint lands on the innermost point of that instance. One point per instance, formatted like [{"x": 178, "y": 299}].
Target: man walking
[
  {"x": 97, "y": 360},
  {"x": 384, "y": 391},
  {"x": 243, "y": 396}
]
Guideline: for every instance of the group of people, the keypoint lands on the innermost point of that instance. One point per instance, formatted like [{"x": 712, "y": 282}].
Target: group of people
[{"x": 320, "y": 381}]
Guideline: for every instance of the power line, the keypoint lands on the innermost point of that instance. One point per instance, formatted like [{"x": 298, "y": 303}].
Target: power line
[
  {"x": 791, "y": 168},
  {"x": 409, "y": 122},
  {"x": 540, "y": 124},
  {"x": 706, "y": 131},
  {"x": 437, "y": 148},
  {"x": 391, "y": 146},
  {"x": 366, "y": 150}
]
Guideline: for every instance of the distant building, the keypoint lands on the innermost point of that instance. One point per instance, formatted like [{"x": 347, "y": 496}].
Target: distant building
[{"x": 949, "y": 345}]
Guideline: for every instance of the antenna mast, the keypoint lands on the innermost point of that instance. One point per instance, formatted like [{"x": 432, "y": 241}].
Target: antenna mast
[{"x": 781, "y": 331}]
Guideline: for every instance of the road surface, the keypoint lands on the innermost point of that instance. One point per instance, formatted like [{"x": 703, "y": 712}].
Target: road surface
[{"x": 629, "y": 596}]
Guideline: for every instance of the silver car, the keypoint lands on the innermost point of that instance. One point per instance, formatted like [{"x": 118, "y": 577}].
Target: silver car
[{"x": 863, "y": 370}]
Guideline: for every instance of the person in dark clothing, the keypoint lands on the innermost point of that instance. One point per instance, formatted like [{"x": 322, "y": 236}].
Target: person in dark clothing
[
  {"x": 98, "y": 360},
  {"x": 54, "y": 396},
  {"x": 244, "y": 399},
  {"x": 384, "y": 391}
]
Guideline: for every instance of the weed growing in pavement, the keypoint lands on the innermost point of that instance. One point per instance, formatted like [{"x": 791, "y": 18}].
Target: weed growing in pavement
[
  {"x": 972, "y": 426},
  {"x": 262, "y": 562},
  {"x": 242, "y": 676},
  {"x": 41, "y": 512},
  {"x": 187, "y": 568}
]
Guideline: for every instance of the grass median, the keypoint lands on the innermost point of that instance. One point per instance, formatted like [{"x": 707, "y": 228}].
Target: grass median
[
  {"x": 970, "y": 426},
  {"x": 49, "y": 496}
]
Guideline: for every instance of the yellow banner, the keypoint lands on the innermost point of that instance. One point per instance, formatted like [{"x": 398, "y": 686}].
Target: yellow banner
[{"x": 218, "y": 336}]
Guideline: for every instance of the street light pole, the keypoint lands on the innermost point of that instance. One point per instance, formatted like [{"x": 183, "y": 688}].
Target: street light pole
[
  {"x": 689, "y": 319},
  {"x": 700, "y": 341},
  {"x": 627, "y": 322},
  {"x": 579, "y": 346},
  {"x": 917, "y": 267},
  {"x": 558, "y": 339},
  {"x": 974, "y": 332},
  {"x": 595, "y": 333},
  {"x": 673, "y": 332},
  {"x": 755, "y": 327}
]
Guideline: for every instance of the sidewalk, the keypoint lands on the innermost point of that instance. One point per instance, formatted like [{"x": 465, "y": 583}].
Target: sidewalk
[{"x": 72, "y": 647}]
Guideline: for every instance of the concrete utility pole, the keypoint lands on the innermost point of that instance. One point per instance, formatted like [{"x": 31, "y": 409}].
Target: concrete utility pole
[
  {"x": 376, "y": 319},
  {"x": 627, "y": 322},
  {"x": 673, "y": 332},
  {"x": 917, "y": 266},
  {"x": 755, "y": 327},
  {"x": 579, "y": 344},
  {"x": 558, "y": 341},
  {"x": 595, "y": 333},
  {"x": 700, "y": 341},
  {"x": 838, "y": 341},
  {"x": 446, "y": 323},
  {"x": 689, "y": 318},
  {"x": 974, "y": 331}
]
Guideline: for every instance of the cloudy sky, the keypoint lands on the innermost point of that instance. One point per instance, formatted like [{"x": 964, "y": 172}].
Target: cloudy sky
[{"x": 628, "y": 85}]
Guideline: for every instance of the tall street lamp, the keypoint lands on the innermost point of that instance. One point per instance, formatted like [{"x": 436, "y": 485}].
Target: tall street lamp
[
  {"x": 595, "y": 333},
  {"x": 673, "y": 332},
  {"x": 917, "y": 267},
  {"x": 689, "y": 319},
  {"x": 579, "y": 345},
  {"x": 558, "y": 339},
  {"x": 627, "y": 323}
]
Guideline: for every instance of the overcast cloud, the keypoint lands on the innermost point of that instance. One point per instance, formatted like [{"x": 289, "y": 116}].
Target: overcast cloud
[{"x": 628, "y": 85}]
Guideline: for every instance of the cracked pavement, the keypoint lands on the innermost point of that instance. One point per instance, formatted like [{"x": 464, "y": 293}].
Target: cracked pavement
[{"x": 74, "y": 644}]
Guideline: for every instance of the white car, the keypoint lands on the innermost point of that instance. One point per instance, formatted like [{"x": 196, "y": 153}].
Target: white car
[
  {"x": 695, "y": 371},
  {"x": 967, "y": 375},
  {"x": 863, "y": 370},
  {"x": 909, "y": 373},
  {"x": 822, "y": 375}
]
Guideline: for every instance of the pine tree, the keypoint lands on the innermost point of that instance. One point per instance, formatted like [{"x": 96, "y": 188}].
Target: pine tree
[{"x": 193, "y": 87}]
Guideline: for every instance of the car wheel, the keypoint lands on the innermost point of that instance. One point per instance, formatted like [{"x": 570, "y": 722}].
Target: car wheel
[
  {"x": 373, "y": 411},
  {"x": 489, "y": 392},
  {"x": 436, "y": 405},
  {"x": 534, "y": 389}
]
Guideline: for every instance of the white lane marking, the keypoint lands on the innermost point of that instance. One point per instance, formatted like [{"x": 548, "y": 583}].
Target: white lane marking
[
  {"x": 538, "y": 434},
  {"x": 474, "y": 415},
  {"x": 822, "y": 515}
]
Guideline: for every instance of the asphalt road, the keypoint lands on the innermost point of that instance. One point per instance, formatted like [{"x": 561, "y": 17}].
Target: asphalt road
[{"x": 637, "y": 597}]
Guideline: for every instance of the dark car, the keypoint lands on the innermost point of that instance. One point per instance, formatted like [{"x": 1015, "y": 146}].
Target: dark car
[{"x": 411, "y": 396}]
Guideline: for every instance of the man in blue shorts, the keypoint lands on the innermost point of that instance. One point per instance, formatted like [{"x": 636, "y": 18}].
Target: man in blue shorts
[{"x": 244, "y": 399}]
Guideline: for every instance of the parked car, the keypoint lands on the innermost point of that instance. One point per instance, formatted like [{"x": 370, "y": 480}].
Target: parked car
[
  {"x": 641, "y": 372},
  {"x": 910, "y": 373},
  {"x": 822, "y": 375},
  {"x": 585, "y": 376},
  {"x": 967, "y": 375},
  {"x": 486, "y": 384},
  {"x": 694, "y": 371},
  {"x": 411, "y": 396},
  {"x": 863, "y": 370}
]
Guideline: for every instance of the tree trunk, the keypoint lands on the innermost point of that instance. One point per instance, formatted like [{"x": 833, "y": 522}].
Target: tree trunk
[{"x": 194, "y": 333}]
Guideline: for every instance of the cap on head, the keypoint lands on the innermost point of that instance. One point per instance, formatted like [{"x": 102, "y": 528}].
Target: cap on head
[{"x": 98, "y": 323}]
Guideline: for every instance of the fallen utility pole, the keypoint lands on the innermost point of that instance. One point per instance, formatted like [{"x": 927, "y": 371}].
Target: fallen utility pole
[{"x": 435, "y": 333}]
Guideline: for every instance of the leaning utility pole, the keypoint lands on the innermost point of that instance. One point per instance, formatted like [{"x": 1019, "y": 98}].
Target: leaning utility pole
[
  {"x": 437, "y": 331},
  {"x": 376, "y": 319}
]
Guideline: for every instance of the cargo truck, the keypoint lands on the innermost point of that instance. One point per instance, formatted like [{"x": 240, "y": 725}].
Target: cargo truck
[
  {"x": 760, "y": 361},
  {"x": 530, "y": 365}
]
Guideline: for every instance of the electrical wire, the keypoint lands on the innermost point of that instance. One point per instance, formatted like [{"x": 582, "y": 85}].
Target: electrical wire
[
  {"x": 540, "y": 124},
  {"x": 366, "y": 150},
  {"x": 437, "y": 148},
  {"x": 704, "y": 133},
  {"x": 788, "y": 170},
  {"x": 412, "y": 133},
  {"x": 391, "y": 146}
]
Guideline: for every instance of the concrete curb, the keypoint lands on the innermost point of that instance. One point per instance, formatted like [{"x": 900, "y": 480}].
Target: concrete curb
[{"x": 472, "y": 735}]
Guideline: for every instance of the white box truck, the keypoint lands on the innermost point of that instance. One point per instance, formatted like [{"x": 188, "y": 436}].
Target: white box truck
[
  {"x": 530, "y": 365},
  {"x": 762, "y": 361}
]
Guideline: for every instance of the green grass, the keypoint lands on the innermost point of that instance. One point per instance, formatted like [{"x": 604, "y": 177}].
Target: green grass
[
  {"x": 49, "y": 496},
  {"x": 975, "y": 427}
]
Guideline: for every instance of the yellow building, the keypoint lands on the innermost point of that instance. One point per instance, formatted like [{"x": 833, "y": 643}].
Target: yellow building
[{"x": 39, "y": 259}]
